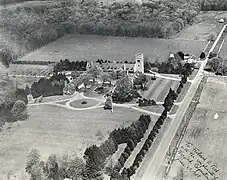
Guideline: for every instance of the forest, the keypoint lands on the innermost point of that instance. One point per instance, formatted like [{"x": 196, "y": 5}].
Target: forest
[{"x": 41, "y": 23}]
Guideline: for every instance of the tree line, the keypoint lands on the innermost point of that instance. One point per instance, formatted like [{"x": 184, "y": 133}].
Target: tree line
[
  {"x": 168, "y": 104},
  {"x": 173, "y": 65},
  {"x": 96, "y": 156},
  {"x": 66, "y": 65},
  {"x": 213, "y": 5},
  {"x": 39, "y": 24},
  {"x": 33, "y": 62}
]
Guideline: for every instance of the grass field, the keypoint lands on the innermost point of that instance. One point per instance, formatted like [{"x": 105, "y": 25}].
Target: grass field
[
  {"x": 53, "y": 129},
  {"x": 30, "y": 70},
  {"x": 158, "y": 89},
  {"x": 205, "y": 132},
  {"x": 206, "y": 22},
  {"x": 85, "y": 47}
]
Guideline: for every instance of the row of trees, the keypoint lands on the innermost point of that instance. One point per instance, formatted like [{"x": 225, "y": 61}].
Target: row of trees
[
  {"x": 168, "y": 103},
  {"x": 147, "y": 144},
  {"x": 66, "y": 65},
  {"x": 174, "y": 65},
  {"x": 102, "y": 61},
  {"x": 135, "y": 134},
  {"x": 96, "y": 156},
  {"x": 54, "y": 168},
  {"x": 146, "y": 102},
  {"x": 213, "y": 5},
  {"x": 39, "y": 24},
  {"x": 33, "y": 62}
]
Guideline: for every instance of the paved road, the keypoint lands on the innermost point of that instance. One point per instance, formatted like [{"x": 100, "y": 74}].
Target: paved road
[{"x": 156, "y": 160}]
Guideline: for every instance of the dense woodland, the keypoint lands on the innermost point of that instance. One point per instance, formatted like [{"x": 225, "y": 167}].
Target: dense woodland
[
  {"x": 39, "y": 24},
  {"x": 214, "y": 5}
]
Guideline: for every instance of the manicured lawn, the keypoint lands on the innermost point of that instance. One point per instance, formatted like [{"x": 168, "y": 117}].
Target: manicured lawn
[
  {"x": 158, "y": 89},
  {"x": 174, "y": 109},
  {"x": 54, "y": 129},
  {"x": 62, "y": 102},
  {"x": 79, "y": 103},
  {"x": 85, "y": 47},
  {"x": 211, "y": 139},
  {"x": 156, "y": 108}
]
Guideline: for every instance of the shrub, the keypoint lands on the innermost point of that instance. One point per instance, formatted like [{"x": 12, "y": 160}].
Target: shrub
[
  {"x": 131, "y": 144},
  {"x": 212, "y": 55},
  {"x": 202, "y": 55},
  {"x": 84, "y": 102},
  {"x": 19, "y": 111},
  {"x": 21, "y": 95}
]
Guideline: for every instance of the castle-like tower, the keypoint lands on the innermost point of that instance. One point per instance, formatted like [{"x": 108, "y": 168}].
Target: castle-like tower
[{"x": 139, "y": 65}]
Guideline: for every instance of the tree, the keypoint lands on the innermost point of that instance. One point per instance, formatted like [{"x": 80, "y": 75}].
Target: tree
[
  {"x": 6, "y": 57},
  {"x": 108, "y": 103},
  {"x": 123, "y": 90},
  {"x": 27, "y": 90},
  {"x": 19, "y": 111},
  {"x": 140, "y": 79},
  {"x": 21, "y": 95},
  {"x": 52, "y": 167},
  {"x": 202, "y": 55},
  {"x": 105, "y": 77},
  {"x": 94, "y": 71},
  {"x": 34, "y": 166}
]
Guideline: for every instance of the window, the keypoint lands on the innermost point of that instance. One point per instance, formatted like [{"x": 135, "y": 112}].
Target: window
[{"x": 138, "y": 61}]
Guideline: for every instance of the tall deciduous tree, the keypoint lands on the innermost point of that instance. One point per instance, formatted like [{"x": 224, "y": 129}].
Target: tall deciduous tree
[
  {"x": 19, "y": 110},
  {"x": 123, "y": 90}
]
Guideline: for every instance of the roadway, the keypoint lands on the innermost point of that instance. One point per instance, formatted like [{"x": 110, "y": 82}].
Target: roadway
[{"x": 155, "y": 161}]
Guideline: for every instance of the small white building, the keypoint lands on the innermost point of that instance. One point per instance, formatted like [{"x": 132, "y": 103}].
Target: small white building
[{"x": 221, "y": 20}]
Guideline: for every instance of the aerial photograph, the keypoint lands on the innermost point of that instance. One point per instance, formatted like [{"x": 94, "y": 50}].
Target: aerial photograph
[{"x": 113, "y": 90}]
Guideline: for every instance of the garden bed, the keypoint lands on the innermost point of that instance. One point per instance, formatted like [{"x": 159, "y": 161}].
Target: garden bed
[{"x": 83, "y": 103}]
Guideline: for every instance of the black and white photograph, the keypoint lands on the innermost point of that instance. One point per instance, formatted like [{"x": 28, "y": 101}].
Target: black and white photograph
[{"x": 113, "y": 90}]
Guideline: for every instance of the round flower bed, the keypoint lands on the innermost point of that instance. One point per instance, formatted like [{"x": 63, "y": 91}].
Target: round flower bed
[{"x": 83, "y": 103}]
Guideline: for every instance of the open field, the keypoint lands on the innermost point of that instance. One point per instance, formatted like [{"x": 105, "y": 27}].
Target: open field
[
  {"x": 88, "y": 48},
  {"x": 30, "y": 70},
  {"x": 158, "y": 89},
  {"x": 206, "y": 22},
  {"x": 53, "y": 129},
  {"x": 206, "y": 133}
]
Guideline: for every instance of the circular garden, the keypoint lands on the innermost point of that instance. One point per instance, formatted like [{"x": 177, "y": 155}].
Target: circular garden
[{"x": 83, "y": 103}]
